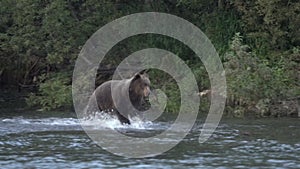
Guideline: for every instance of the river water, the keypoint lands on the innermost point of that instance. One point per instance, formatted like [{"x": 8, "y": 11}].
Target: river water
[{"x": 31, "y": 141}]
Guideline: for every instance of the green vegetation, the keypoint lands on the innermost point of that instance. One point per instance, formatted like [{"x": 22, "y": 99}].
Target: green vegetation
[
  {"x": 258, "y": 84},
  {"x": 258, "y": 42}
]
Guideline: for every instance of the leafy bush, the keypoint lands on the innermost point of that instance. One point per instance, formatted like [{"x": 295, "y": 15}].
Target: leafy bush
[
  {"x": 45, "y": 38},
  {"x": 270, "y": 24},
  {"x": 256, "y": 83},
  {"x": 53, "y": 93}
]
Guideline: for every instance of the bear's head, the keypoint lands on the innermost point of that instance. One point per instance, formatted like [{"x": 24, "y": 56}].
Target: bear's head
[{"x": 140, "y": 85}]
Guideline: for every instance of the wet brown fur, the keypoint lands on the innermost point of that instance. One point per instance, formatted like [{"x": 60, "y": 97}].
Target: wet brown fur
[{"x": 139, "y": 89}]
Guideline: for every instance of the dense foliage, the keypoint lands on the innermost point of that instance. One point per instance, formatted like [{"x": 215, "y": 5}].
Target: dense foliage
[{"x": 258, "y": 42}]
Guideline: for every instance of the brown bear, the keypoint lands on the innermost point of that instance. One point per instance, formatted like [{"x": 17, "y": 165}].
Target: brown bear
[{"x": 123, "y": 98}]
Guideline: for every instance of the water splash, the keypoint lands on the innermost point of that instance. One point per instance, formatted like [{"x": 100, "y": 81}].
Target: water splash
[
  {"x": 104, "y": 120},
  {"x": 101, "y": 120},
  {"x": 43, "y": 121}
]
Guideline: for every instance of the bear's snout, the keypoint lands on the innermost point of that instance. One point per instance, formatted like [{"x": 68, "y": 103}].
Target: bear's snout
[{"x": 147, "y": 91}]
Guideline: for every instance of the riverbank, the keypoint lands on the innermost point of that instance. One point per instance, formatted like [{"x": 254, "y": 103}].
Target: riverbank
[
  {"x": 14, "y": 102},
  {"x": 258, "y": 44}
]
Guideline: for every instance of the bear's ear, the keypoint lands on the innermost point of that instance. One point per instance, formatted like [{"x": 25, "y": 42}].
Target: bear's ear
[
  {"x": 140, "y": 74},
  {"x": 144, "y": 71},
  {"x": 137, "y": 76}
]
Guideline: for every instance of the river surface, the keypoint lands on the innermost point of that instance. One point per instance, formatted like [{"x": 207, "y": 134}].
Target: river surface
[{"x": 46, "y": 141}]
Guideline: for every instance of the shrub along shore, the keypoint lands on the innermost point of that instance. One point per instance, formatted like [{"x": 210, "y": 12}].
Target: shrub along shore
[{"x": 258, "y": 42}]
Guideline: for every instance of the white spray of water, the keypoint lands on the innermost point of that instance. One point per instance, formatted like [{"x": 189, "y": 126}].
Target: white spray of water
[
  {"x": 100, "y": 121},
  {"x": 104, "y": 120},
  {"x": 53, "y": 121}
]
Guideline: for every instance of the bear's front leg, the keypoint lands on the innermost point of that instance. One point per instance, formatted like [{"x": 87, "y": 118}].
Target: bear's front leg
[{"x": 122, "y": 119}]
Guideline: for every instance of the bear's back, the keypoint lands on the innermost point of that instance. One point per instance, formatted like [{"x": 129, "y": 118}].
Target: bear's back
[{"x": 104, "y": 93}]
